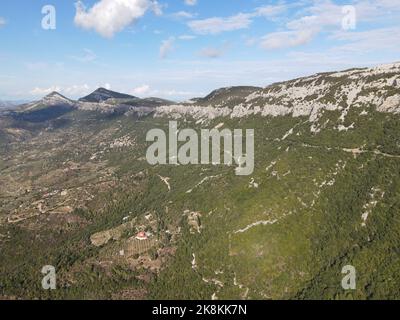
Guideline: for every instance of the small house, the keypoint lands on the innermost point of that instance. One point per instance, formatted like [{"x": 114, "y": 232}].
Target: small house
[{"x": 141, "y": 236}]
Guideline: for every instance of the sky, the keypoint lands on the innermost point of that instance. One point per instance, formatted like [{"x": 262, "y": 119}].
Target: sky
[{"x": 179, "y": 49}]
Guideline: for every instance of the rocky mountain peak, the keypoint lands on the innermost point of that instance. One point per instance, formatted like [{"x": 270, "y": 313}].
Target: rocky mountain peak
[{"x": 102, "y": 95}]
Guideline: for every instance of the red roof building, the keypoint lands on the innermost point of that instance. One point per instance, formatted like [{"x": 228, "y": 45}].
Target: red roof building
[{"x": 141, "y": 236}]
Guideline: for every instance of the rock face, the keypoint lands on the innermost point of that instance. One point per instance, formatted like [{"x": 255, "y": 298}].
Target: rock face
[{"x": 309, "y": 96}]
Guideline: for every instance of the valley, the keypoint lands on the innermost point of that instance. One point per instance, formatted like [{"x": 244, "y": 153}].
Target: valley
[{"x": 77, "y": 193}]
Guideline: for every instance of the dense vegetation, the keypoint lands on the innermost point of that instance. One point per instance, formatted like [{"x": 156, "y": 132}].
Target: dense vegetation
[{"x": 318, "y": 200}]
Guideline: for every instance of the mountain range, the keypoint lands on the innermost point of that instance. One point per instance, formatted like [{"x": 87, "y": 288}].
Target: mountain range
[
  {"x": 4, "y": 104},
  {"x": 77, "y": 193}
]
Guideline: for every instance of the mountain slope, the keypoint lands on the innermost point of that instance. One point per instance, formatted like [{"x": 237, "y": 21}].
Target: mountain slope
[
  {"x": 102, "y": 95},
  {"x": 325, "y": 193},
  {"x": 53, "y": 99},
  {"x": 226, "y": 95},
  {"x": 51, "y": 106},
  {"x": 310, "y": 96}
]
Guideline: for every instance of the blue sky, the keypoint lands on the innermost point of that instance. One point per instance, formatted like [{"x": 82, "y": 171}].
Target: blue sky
[{"x": 179, "y": 49}]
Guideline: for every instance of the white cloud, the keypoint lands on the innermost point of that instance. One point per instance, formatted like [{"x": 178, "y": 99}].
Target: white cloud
[
  {"x": 250, "y": 41},
  {"x": 88, "y": 56},
  {"x": 106, "y": 86},
  {"x": 166, "y": 47},
  {"x": 108, "y": 17},
  {"x": 378, "y": 40},
  {"x": 326, "y": 16},
  {"x": 190, "y": 2},
  {"x": 353, "y": 49},
  {"x": 74, "y": 90},
  {"x": 374, "y": 10},
  {"x": 217, "y": 25},
  {"x": 156, "y": 8},
  {"x": 146, "y": 90},
  {"x": 211, "y": 52},
  {"x": 270, "y": 11},
  {"x": 214, "y": 52},
  {"x": 239, "y": 21},
  {"x": 141, "y": 90},
  {"x": 44, "y": 91},
  {"x": 183, "y": 15},
  {"x": 186, "y": 37},
  {"x": 2, "y": 22},
  {"x": 319, "y": 15},
  {"x": 174, "y": 93},
  {"x": 287, "y": 39}
]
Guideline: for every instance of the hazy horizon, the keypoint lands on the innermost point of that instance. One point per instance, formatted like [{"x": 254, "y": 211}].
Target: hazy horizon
[{"x": 183, "y": 49}]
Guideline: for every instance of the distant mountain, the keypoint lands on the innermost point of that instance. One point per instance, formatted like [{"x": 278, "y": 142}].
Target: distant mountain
[
  {"x": 102, "y": 100},
  {"x": 102, "y": 95},
  {"x": 6, "y": 104},
  {"x": 53, "y": 99},
  {"x": 107, "y": 101},
  {"x": 50, "y": 107}
]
